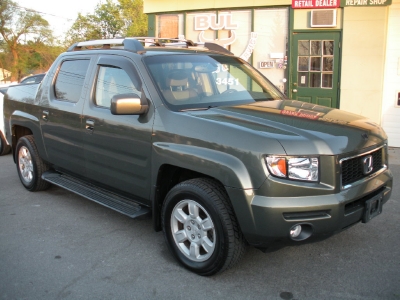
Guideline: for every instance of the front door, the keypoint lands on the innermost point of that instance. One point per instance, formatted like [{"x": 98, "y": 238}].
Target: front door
[
  {"x": 117, "y": 147},
  {"x": 315, "y": 68}
]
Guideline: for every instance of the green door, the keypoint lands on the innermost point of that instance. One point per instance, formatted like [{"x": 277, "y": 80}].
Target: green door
[{"x": 315, "y": 68}]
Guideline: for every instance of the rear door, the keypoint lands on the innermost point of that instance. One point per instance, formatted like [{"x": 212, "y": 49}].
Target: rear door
[
  {"x": 61, "y": 119},
  {"x": 117, "y": 147}
]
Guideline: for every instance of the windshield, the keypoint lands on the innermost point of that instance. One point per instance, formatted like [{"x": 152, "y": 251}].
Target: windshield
[{"x": 202, "y": 81}]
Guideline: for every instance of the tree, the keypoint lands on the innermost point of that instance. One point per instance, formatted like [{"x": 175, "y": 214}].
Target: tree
[
  {"x": 104, "y": 23},
  {"x": 110, "y": 20},
  {"x": 84, "y": 28},
  {"x": 134, "y": 18},
  {"x": 18, "y": 26}
]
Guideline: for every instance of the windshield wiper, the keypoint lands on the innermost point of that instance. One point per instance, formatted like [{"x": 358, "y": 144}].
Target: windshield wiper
[{"x": 199, "y": 108}]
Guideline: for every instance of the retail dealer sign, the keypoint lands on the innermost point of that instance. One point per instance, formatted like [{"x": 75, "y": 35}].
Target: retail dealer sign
[{"x": 315, "y": 4}]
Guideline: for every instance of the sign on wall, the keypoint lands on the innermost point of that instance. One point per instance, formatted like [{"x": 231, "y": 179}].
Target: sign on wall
[
  {"x": 315, "y": 4},
  {"x": 365, "y": 3}
]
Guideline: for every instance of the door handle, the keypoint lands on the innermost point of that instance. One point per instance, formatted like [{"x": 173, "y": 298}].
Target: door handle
[
  {"x": 45, "y": 115},
  {"x": 90, "y": 125},
  {"x": 294, "y": 91}
]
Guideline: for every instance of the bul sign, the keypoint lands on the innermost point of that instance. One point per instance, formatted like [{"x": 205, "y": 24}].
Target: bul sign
[{"x": 315, "y": 4}]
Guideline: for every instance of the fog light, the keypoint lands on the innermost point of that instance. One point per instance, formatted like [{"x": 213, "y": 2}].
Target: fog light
[{"x": 295, "y": 231}]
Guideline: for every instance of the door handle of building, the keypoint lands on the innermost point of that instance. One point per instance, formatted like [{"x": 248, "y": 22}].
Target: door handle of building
[
  {"x": 90, "y": 125},
  {"x": 294, "y": 91}
]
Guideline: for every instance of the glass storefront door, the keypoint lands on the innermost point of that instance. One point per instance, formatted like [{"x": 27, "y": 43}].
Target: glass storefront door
[{"x": 315, "y": 68}]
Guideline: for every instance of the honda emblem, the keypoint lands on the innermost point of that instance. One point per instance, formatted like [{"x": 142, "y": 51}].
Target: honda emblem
[{"x": 368, "y": 165}]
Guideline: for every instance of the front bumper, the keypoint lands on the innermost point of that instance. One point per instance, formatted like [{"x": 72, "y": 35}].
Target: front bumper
[{"x": 265, "y": 219}]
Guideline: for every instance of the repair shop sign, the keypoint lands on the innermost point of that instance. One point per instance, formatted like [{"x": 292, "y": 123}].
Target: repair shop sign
[{"x": 315, "y": 4}]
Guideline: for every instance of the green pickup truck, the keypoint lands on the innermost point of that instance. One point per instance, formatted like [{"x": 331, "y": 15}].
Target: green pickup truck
[{"x": 201, "y": 141}]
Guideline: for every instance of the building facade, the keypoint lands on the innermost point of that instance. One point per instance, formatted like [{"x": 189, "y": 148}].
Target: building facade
[{"x": 337, "y": 53}]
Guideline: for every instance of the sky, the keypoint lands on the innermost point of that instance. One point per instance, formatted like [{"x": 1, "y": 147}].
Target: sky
[{"x": 60, "y": 14}]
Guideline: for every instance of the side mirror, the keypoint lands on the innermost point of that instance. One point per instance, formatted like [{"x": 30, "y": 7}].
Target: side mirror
[{"x": 129, "y": 104}]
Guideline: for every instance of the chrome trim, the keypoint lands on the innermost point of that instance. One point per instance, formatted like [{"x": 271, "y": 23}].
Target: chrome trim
[
  {"x": 305, "y": 216},
  {"x": 364, "y": 153},
  {"x": 384, "y": 168},
  {"x": 380, "y": 171}
]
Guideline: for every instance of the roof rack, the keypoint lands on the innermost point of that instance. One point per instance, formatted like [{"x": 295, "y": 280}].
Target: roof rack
[{"x": 135, "y": 44}]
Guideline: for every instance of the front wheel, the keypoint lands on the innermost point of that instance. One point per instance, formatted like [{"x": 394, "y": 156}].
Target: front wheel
[
  {"x": 30, "y": 166},
  {"x": 200, "y": 227}
]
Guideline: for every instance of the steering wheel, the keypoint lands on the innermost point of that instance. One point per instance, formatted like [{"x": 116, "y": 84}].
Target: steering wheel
[{"x": 229, "y": 91}]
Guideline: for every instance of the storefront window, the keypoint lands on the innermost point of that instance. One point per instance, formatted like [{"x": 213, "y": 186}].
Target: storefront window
[
  {"x": 315, "y": 67},
  {"x": 170, "y": 26},
  {"x": 270, "y": 52},
  {"x": 265, "y": 46}
]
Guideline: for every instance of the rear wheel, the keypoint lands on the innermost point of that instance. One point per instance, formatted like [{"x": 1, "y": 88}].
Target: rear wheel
[
  {"x": 200, "y": 227},
  {"x": 30, "y": 166}
]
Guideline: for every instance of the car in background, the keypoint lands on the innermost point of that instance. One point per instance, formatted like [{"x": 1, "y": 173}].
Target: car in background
[
  {"x": 37, "y": 78},
  {"x": 4, "y": 146}
]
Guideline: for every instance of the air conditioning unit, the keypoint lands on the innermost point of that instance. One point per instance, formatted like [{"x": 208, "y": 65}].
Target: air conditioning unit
[{"x": 323, "y": 18}]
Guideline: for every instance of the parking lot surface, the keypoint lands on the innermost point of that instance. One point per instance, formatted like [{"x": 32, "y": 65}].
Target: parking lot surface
[{"x": 57, "y": 245}]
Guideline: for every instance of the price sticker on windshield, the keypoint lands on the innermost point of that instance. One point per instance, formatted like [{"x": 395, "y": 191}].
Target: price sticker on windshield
[{"x": 227, "y": 81}]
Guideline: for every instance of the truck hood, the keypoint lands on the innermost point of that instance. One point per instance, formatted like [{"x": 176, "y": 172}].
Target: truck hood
[{"x": 301, "y": 128}]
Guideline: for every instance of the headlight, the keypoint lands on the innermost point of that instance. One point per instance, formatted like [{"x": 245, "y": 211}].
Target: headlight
[{"x": 297, "y": 168}]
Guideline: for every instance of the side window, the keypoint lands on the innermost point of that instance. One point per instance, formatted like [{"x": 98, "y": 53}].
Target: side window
[
  {"x": 113, "y": 81},
  {"x": 70, "y": 79}
]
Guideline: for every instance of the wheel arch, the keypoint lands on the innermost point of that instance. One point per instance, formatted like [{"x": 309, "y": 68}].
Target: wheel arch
[
  {"x": 23, "y": 124},
  {"x": 183, "y": 162}
]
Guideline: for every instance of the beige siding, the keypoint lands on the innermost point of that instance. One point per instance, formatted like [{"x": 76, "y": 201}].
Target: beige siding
[
  {"x": 154, "y": 6},
  {"x": 302, "y": 20},
  {"x": 363, "y": 60},
  {"x": 390, "y": 110}
]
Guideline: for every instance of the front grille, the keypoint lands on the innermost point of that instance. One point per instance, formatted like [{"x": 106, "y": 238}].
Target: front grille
[{"x": 352, "y": 168}]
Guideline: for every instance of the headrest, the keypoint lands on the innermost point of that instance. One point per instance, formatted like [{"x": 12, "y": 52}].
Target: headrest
[{"x": 177, "y": 78}]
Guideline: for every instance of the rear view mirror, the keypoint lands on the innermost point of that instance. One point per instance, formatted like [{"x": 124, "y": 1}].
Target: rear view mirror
[
  {"x": 205, "y": 68},
  {"x": 129, "y": 104}
]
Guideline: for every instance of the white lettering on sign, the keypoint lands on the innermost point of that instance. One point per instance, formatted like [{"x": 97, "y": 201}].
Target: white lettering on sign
[
  {"x": 316, "y": 3},
  {"x": 377, "y": 2},
  {"x": 366, "y": 2},
  {"x": 214, "y": 22},
  {"x": 356, "y": 2},
  {"x": 251, "y": 45},
  {"x": 326, "y": 3},
  {"x": 303, "y": 3}
]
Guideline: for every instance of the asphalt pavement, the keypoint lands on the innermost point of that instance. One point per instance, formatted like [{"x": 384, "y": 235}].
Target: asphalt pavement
[{"x": 57, "y": 245}]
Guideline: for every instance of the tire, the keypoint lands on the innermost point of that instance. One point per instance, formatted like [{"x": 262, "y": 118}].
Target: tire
[
  {"x": 4, "y": 148},
  {"x": 200, "y": 227},
  {"x": 30, "y": 166}
]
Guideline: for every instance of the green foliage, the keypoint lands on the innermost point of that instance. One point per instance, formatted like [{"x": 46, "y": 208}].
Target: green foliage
[
  {"x": 17, "y": 28},
  {"x": 110, "y": 20},
  {"x": 27, "y": 44},
  {"x": 104, "y": 23},
  {"x": 84, "y": 28},
  {"x": 134, "y": 18}
]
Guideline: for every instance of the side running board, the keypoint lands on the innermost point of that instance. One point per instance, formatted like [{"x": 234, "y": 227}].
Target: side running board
[{"x": 96, "y": 194}]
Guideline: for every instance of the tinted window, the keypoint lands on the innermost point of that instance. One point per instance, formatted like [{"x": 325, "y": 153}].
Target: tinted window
[
  {"x": 70, "y": 80},
  {"x": 33, "y": 79},
  {"x": 113, "y": 81},
  {"x": 203, "y": 81}
]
